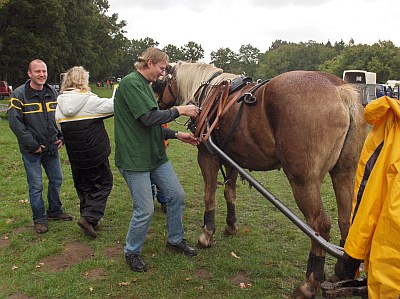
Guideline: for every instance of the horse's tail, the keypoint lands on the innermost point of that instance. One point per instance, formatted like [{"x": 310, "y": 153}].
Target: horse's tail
[
  {"x": 357, "y": 130},
  {"x": 350, "y": 98}
]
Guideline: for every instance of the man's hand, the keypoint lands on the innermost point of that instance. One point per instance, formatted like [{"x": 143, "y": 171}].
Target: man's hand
[
  {"x": 40, "y": 149},
  {"x": 188, "y": 138},
  {"x": 188, "y": 110},
  {"x": 59, "y": 143}
]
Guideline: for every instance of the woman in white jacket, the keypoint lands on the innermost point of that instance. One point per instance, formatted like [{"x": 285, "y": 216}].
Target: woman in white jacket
[{"x": 80, "y": 114}]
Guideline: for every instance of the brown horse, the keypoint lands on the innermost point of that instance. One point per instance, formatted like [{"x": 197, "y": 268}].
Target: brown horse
[{"x": 308, "y": 123}]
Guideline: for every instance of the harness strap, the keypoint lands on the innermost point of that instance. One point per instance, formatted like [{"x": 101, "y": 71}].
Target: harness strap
[
  {"x": 214, "y": 104},
  {"x": 218, "y": 103},
  {"x": 206, "y": 84},
  {"x": 248, "y": 97}
]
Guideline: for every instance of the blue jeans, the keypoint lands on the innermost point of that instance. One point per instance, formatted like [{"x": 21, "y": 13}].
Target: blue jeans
[
  {"x": 139, "y": 184},
  {"x": 157, "y": 193},
  {"x": 33, "y": 166}
]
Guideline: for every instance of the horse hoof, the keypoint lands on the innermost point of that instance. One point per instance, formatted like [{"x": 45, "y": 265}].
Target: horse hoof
[
  {"x": 231, "y": 230},
  {"x": 204, "y": 242},
  {"x": 307, "y": 289},
  {"x": 302, "y": 292}
]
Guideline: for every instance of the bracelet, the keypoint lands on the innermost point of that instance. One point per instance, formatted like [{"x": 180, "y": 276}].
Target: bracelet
[{"x": 176, "y": 135}]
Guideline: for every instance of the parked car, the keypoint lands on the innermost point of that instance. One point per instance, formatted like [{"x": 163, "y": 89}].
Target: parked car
[
  {"x": 5, "y": 90},
  {"x": 383, "y": 90},
  {"x": 56, "y": 86}
]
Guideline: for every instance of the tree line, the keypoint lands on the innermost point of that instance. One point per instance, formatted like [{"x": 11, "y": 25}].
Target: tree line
[{"x": 65, "y": 33}]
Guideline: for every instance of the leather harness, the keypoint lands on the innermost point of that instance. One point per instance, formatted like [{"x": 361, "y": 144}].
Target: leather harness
[{"x": 216, "y": 102}]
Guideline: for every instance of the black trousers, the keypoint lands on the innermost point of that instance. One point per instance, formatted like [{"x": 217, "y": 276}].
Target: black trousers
[{"x": 93, "y": 186}]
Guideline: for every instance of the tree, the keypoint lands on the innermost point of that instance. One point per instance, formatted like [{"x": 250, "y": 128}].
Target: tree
[
  {"x": 63, "y": 33},
  {"x": 225, "y": 59},
  {"x": 192, "y": 52},
  {"x": 276, "y": 44},
  {"x": 25, "y": 34},
  {"x": 289, "y": 57},
  {"x": 339, "y": 46},
  {"x": 175, "y": 54},
  {"x": 382, "y": 58},
  {"x": 248, "y": 59}
]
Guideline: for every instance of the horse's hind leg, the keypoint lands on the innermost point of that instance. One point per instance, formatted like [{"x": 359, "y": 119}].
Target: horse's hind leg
[
  {"x": 343, "y": 184},
  {"x": 308, "y": 199},
  {"x": 230, "y": 197},
  {"x": 343, "y": 179},
  {"x": 209, "y": 165}
]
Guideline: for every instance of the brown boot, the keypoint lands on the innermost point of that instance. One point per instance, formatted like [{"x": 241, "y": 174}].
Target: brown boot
[
  {"x": 40, "y": 228},
  {"x": 87, "y": 227}
]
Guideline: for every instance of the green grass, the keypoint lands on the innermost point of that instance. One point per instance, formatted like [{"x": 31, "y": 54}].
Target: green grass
[{"x": 273, "y": 252}]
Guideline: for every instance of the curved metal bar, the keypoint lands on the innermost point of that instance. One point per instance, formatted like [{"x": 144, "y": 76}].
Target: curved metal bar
[{"x": 334, "y": 250}]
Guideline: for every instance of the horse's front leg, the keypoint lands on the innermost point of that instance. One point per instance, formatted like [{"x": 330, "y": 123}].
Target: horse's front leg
[
  {"x": 209, "y": 165},
  {"x": 230, "y": 197}
]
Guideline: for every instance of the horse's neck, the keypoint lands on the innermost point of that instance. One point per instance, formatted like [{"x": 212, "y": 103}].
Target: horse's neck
[
  {"x": 192, "y": 76},
  {"x": 208, "y": 84}
]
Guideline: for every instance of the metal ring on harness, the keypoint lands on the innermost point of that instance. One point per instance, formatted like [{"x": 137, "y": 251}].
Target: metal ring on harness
[{"x": 249, "y": 99}]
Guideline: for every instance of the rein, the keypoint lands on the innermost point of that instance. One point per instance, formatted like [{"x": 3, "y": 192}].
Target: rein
[
  {"x": 215, "y": 105},
  {"x": 167, "y": 82}
]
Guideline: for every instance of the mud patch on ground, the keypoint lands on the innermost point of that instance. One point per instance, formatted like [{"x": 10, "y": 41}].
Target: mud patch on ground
[
  {"x": 73, "y": 254},
  {"x": 114, "y": 253},
  {"x": 4, "y": 241},
  {"x": 19, "y": 296},
  {"x": 203, "y": 274},
  {"x": 98, "y": 273},
  {"x": 22, "y": 229},
  {"x": 239, "y": 278}
]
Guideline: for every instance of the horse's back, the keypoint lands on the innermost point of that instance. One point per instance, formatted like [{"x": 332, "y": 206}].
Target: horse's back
[
  {"x": 300, "y": 123},
  {"x": 310, "y": 114}
]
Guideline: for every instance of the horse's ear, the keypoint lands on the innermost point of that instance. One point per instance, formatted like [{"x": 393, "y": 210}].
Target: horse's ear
[{"x": 168, "y": 68}]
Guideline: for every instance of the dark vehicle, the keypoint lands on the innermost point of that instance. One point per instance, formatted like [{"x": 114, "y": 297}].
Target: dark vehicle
[
  {"x": 384, "y": 90},
  {"x": 56, "y": 86},
  {"x": 5, "y": 90}
]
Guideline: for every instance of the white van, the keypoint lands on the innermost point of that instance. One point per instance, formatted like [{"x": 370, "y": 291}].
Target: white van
[{"x": 364, "y": 81}]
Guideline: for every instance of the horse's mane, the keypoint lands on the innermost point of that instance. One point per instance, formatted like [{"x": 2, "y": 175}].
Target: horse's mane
[{"x": 190, "y": 76}]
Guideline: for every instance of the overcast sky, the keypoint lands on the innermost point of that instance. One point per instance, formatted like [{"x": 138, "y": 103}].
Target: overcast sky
[{"x": 230, "y": 24}]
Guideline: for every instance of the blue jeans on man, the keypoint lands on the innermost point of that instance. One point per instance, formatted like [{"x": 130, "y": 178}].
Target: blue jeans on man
[
  {"x": 139, "y": 184},
  {"x": 33, "y": 166}
]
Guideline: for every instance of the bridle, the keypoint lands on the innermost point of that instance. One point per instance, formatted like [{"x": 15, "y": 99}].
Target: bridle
[{"x": 159, "y": 88}]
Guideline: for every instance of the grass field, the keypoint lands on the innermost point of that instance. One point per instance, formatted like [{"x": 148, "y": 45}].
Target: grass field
[{"x": 268, "y": 255}]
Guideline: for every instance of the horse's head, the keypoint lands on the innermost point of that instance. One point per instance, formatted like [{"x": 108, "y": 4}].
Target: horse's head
[
  {"x": 166, "y": 89},
  {"x": 182, "y": 80}
]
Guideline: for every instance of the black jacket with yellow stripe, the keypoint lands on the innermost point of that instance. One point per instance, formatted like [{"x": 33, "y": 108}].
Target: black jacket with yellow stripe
[{"x": 32, "y": 120}]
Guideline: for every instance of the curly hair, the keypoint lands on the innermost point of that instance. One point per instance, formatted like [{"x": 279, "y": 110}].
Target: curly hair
[{"x": 76, "y": 78}]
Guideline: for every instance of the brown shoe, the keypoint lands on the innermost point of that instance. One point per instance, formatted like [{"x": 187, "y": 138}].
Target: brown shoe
[
  {"x": 40, "y": 228},
  {"x": 63, "y": 216},
  {"x": 87, "y": 227}
]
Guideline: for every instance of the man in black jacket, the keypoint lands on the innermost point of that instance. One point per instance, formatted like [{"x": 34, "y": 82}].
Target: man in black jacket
[{"x": 31, "y": 118}]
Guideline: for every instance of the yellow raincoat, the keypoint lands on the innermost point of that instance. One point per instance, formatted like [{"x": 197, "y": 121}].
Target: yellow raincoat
[{"x": 374, "y": 234}]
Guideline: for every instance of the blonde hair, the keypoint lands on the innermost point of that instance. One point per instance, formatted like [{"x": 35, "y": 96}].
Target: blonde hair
[
  {"x": 153, "y": 54},
  {"x": 76, "y": 78}
]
